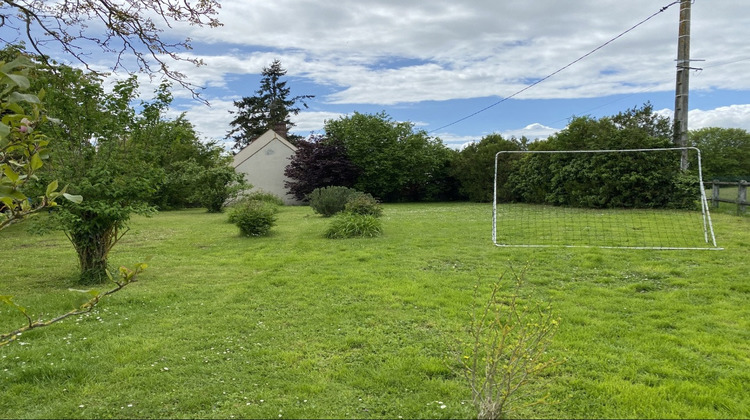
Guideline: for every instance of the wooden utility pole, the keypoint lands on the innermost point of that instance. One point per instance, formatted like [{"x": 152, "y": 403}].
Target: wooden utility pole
[{"x": 683, "y": 82}]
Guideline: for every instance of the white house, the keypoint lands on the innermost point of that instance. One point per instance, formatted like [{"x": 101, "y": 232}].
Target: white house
[{"x": 263, "y": 162}]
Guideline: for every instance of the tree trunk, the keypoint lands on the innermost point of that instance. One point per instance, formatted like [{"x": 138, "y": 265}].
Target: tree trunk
[{"x": 93, "y": 245}]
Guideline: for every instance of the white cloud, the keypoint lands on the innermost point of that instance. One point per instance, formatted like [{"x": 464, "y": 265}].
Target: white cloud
[
  {"x": 456, "y": 142},
  {"x": 532, "y": 132},
  {"x": 734, "y": 116},
  {"x": 212, "y": 122},
  {"x": 312, "y": 121},
  {"x": 387, "y": 52},
  {"x": 390, "y": 52}
]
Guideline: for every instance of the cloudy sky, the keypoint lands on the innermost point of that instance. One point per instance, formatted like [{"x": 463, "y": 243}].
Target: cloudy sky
[{"x": 437, "y": 63}]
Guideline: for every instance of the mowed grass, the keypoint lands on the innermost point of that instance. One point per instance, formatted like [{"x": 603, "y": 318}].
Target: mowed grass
[{"x": 294, "y": 325}]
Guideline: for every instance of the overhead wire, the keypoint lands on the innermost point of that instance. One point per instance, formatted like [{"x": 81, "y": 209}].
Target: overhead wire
[
  {"x": 558, "y": 70},
  {"x": 698, "y": 71}
]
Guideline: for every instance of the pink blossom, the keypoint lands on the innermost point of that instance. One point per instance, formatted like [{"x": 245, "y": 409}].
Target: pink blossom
[{"x": 25, "y": 125}]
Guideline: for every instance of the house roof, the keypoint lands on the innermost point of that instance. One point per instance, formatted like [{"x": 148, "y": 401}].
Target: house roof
[{"x": 258, "y": 144}]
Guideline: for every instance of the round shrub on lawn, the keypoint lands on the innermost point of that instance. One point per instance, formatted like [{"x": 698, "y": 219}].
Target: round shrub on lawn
[
  {"x": 351, "y": 225},
  {"x": 253, "y": 217},
  {"x": 363, "y": 203},
  {"x": 330, "y": 200}
]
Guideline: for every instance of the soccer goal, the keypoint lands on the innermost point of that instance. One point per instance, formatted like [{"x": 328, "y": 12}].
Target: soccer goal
[{"x": 632, "y": 198}]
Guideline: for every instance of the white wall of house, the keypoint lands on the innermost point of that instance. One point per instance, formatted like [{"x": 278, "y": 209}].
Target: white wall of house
[{"x": 263, "y": 162}]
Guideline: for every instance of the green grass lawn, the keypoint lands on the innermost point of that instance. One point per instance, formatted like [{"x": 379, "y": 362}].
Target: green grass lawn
[{"x": 297, "y": 326}]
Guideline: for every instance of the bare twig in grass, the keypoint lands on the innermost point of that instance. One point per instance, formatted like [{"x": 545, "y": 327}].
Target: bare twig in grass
[
  {"x": 126, "y": 277},
  {"x": 507, "y": 349}
]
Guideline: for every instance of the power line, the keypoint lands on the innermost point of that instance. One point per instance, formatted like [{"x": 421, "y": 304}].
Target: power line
[
  {"x": 697, "y": 71},
  {"x": 560, "y": 69},
  {"x": 727, "y": 63}
]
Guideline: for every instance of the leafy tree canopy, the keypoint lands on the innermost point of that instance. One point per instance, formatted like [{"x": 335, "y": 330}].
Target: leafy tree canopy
[
  {"x": 191, "y": 172},
  {"x": 100, "y": 162},
  {"x": 121, "y": 161},
  {"x": 23, "y": 148},
  {"x": 608, "y": 179},
  {"x": 725, "y": 152},
  {"x": 474, "y": 166},
  {"x": 631, "y": 129},
  {"x": 317, "y": 164},
  {"x": 395, "y": 161}
]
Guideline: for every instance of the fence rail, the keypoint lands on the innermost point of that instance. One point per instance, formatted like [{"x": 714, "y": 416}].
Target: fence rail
[{"x": 740, "y": 201}]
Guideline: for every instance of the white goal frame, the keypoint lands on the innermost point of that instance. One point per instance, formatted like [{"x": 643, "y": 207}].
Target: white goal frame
[{"x": 709, "y": 238}]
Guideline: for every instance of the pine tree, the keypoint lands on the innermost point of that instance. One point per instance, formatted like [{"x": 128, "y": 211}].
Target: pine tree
[{"x": 270, "y": 108}]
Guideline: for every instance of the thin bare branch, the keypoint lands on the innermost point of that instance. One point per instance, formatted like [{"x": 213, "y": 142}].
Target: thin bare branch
[
  {"x": 128, "y": 31},
  {"x": 127, "y": 276}
]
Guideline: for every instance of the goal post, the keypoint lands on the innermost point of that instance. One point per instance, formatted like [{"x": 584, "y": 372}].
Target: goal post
[{"x": 628, "y": 198}]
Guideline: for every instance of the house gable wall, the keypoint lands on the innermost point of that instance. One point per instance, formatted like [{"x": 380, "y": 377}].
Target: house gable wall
[{"x": 263, "y": 163}]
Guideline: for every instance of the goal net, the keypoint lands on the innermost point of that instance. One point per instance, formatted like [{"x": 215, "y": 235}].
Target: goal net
[{"x": 633, "y": 198}]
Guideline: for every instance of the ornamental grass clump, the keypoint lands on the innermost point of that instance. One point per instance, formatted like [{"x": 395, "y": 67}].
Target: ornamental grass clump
[
  {"x": 359, "y": 217},
  {"x": 253, "y": 217},
  {"x": 352, "y": 225}
]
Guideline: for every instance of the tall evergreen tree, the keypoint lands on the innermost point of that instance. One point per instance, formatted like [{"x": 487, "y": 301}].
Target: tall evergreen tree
[{"x": 270, "y": 108}]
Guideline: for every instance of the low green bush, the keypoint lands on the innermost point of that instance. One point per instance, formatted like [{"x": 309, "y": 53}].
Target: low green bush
[
  {"x": 330, "y": 200},
  {"x": 363, "y": 203},
  {"x": 253, "y": 217},
  {"x": 351, "y": 225}
]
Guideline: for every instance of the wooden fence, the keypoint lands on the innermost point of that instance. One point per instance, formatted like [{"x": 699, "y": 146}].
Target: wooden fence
[{"x": 740, "y": 201}]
